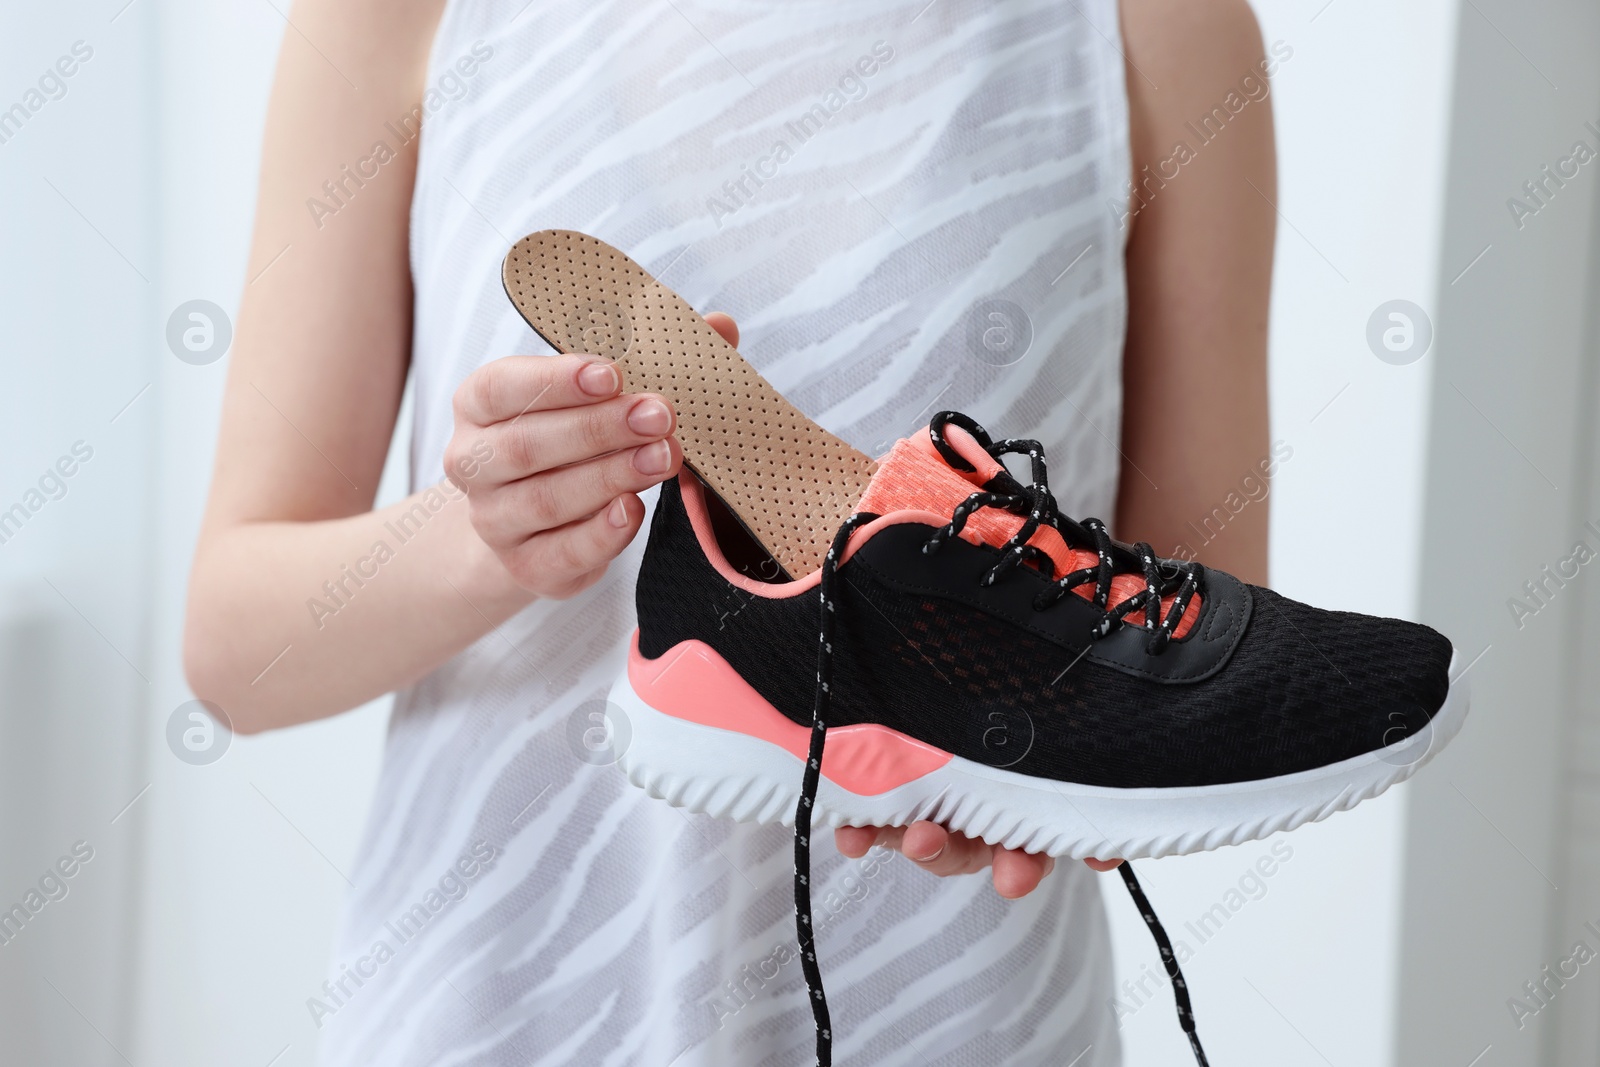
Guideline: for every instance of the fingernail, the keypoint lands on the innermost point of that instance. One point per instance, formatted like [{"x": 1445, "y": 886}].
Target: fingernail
[
  {"x": 617, "y": 513},
  {"x": 598, "y": 379},
  {"x": 931, "y": 857},
  {"x": 650, "y": 417},
  {"x": 653, "y": 459}
]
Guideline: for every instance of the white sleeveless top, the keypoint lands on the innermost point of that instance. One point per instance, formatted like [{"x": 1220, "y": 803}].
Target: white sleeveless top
[{"x": 907, "y": 207}]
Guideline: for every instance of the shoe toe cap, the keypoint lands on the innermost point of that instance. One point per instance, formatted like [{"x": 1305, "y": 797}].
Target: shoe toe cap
[{"x": 1346, "y": 683}]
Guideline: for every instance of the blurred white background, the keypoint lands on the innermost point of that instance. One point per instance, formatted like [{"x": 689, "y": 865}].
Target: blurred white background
[{"x": 1433, "y": 490}]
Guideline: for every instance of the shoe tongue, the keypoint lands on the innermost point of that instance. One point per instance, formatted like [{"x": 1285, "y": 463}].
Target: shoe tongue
[{"x": 913, "y": 476}]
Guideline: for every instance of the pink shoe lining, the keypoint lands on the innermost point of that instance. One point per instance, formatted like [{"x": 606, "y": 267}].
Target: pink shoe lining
[
  {"x": 983, "y": 527},
  {"x": 694, "y": 502}
]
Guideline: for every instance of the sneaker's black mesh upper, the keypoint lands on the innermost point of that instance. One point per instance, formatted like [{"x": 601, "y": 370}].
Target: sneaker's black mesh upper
[{"x": 1305, "y": 687}]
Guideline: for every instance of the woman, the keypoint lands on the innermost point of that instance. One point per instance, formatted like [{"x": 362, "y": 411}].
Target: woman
[{"x": 909, "y": 207}]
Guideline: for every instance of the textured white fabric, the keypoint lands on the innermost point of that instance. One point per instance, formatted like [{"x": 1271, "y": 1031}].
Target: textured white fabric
[{"x": 858, "y": 183}]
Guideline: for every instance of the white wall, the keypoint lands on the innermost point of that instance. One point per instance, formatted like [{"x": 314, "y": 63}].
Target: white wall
[
  {"x": 1307, "y": 973},
  {"x": 1491, "y": 897},
  {"x": 75, "y": 348},
  {"x": 1575, "y": 1036}
]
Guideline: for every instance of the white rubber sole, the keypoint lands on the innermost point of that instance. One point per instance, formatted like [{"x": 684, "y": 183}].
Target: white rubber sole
[{"x": 732, "y": 775}]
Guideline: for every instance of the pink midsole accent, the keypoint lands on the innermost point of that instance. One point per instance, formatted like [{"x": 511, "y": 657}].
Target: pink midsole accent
[{"x": 692, "y": 681}]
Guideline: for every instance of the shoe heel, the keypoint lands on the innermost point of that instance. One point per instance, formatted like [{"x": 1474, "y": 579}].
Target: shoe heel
[{"x": 701, "y": 768}]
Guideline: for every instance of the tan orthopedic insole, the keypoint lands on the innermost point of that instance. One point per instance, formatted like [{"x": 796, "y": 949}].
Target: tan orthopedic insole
[{"x": 789, "y": 481}]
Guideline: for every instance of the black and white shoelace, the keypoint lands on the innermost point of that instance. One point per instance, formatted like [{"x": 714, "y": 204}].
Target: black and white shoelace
[{"x": 1035, "y": 501}]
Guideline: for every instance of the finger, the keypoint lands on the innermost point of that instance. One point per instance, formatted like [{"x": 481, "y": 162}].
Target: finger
[
  {"x": 1016, "y": 873},
  {"x": 516, "y": 385},
  {"x": 576, "y": 585},
  {"x": 545, "y": 440},
  {"x": 938, "y": 851},
  {"x": 724, "y": 325},
  {"x": 856, "y": 841},
  {"x": 1103, "y": 865},
  {"x": 546, "y": 501},
  {"x": 547, "y": 562}
]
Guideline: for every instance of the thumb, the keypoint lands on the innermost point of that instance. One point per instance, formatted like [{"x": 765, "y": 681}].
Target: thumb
[{"x": 724, "y": 325}]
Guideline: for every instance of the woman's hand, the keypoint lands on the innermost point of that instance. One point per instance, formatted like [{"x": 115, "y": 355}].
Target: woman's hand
[
  {"x": 552, "y": 456},
  {"x": 943, "y": 852}
]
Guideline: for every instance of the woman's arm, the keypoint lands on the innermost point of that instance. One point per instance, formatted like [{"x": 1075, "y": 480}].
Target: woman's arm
[
  {"x": 1199, "y": 261},
  {"x": 319, "y": 362},
  {"x": 304, "y": 602}
]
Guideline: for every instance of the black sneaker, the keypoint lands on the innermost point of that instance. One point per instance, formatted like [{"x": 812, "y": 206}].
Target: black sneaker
[{"x": 989, "y": 664}]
